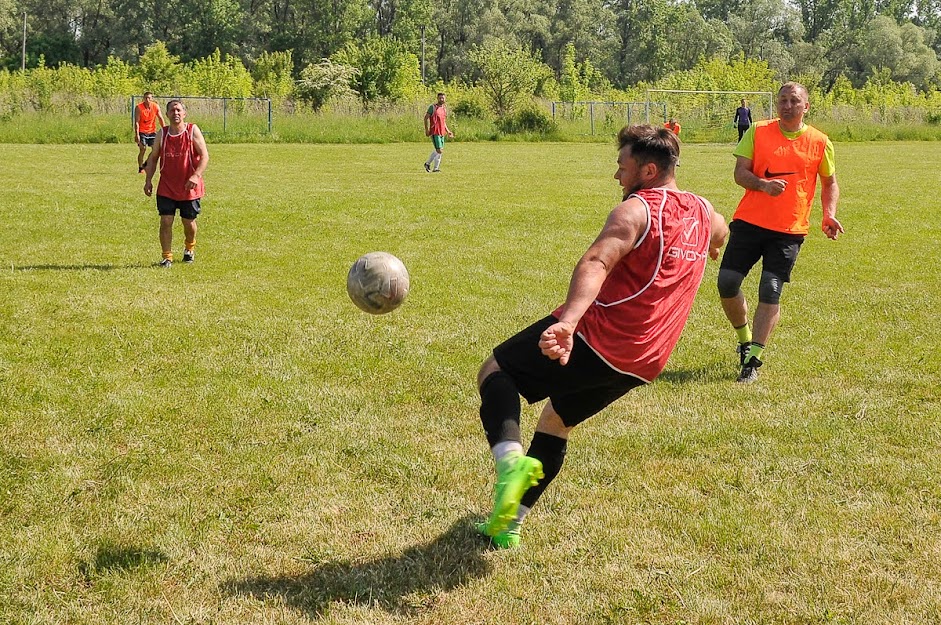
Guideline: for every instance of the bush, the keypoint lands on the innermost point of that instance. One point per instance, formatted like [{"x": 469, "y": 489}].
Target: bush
[
  {"x": 471, "y": 109},
  {"x": 528, "y": 119}
]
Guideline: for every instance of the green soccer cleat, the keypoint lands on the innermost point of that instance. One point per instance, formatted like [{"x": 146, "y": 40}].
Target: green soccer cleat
[
  {"x": 512, "y": 483},
  {"x": 510, "y": 539}
]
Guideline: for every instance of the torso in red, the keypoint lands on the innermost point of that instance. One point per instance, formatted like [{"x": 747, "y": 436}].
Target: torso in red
[{"x": 636, "y": 320}]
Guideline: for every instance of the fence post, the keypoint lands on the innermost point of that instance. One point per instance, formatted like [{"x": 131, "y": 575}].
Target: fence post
[
  {"x": 225, "y": 101},
  {"x": 269, "y": 116},
  {"x": 553, "y": 111},
  {"x": 591, "y": 115}
]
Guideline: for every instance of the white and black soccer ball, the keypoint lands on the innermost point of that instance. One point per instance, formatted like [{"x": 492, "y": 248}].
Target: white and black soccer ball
[{"x": 377, "y": 283}]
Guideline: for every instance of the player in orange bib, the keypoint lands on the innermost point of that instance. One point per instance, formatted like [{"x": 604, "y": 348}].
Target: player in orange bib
[
  {"x": 673, "y": 126},
  {"x": 181, "y": 151},
  {"x": 777, "y": 163},
  {"x": 146, "y": 115},
  {"x": 628, "y": 301}
]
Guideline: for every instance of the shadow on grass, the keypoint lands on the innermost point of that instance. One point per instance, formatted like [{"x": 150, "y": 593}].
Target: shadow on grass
[
  {"x": 715, "y": 372},
  {"x": 111, "y": 558},
  {"x": 83, "y": 267},
  {"x": 402, "y": 583}
]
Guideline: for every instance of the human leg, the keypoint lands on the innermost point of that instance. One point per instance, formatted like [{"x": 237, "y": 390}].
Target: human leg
[
  {"x": 166, "y": 236},
  {"x": 141, "y": 160}
]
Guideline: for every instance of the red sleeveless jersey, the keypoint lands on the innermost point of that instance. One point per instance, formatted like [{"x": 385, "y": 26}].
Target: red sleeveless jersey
[
  {"x": 636, "y": 320},
  {"x": 178, "y": 161}
]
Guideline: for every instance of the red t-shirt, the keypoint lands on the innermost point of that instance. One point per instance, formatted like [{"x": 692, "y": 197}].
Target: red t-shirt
[
  {"x": 636, "y": 320},
  {"x": 178, "y": 161}
]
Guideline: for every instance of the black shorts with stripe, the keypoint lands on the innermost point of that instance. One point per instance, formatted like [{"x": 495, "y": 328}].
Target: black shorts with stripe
[{"x": 580, "y": 389}]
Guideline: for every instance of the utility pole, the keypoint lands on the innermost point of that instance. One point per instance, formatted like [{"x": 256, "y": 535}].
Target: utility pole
[
  {"x": 422, "y": 54},
  {"x": 23, "y": 64}
]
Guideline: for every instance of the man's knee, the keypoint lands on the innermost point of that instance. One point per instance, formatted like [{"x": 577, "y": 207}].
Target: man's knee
[
  {"x": 489, "y": 367},
  {"x": 551, "y": 423},
  {"x": 729, "y": 283},
  {"x": 770, "y": 288}
]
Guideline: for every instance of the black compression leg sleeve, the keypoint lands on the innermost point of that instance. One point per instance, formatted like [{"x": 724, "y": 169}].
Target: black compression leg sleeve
[
  {"x": 770, "y": 288},
  {"x": 500, "y": 408},
  {"x": 550, "y": 451}
]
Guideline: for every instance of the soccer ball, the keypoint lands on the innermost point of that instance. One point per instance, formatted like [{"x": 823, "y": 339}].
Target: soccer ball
[{"x": 377, "y": 283}]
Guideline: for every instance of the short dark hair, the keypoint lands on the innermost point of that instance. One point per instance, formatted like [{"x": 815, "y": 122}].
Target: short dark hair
[
  {"x": 175, "y": 101},
  {"x": 441, "y": 93},
  {"x": 147, "y": 93},
  {"x": 651, "y": 145}
]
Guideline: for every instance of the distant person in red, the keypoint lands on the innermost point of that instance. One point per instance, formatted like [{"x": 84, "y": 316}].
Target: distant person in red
[
  {"x": 436, "y": 127},
  {"x": 146, "y": 115},
  {"x": 181, "y": 151},
  {"x": 673, "y": 126}
]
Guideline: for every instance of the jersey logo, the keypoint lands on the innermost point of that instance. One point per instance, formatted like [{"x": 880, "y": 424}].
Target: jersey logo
[
  {"x": 690, "y": 231},
  {"x": 776, "y": 174}
]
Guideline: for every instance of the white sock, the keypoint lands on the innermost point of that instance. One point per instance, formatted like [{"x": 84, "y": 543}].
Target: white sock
[
  {"x": 431, "y": 158},
  {"x": 505, "y": 448},
  {"x": 437, "y": 161}
]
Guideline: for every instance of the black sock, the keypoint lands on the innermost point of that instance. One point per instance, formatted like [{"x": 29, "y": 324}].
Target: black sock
[
  {"x": 500, "y": 408},
  {"x": 550, "y": 451}
]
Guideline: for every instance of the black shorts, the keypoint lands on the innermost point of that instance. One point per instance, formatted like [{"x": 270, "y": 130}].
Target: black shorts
[
  {"x": 748, "y": 243},
  {"x": 578, "y": 390},
  {"x": 189, "y": 209},
  {"x": 147, "y": 138}
]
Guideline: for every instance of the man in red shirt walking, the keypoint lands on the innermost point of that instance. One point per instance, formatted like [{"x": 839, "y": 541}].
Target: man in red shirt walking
[
  {"x": 183, "y": 157},
  {"x": 628, "y": 300},
  {"x": 436, "y": 127}
]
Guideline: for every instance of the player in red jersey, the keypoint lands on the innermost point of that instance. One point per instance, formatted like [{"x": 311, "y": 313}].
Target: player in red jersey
[
  {"x": 183, "y": 156},
  {"x": 628, "y": 300},
  {"x": 436, "y": 127}
]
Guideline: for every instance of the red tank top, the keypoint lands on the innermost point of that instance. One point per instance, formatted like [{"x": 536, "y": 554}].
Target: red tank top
[
  {"x": 636, "y": 320},
  {"x": 178, "y": 161}
]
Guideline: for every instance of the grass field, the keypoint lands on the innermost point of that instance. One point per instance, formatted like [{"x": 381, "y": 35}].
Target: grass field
[{"x": 234, "y": 442}]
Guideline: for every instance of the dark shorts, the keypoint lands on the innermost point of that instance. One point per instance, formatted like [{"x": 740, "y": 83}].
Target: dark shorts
[
  {"x": 578, "y": 390},
  {"x": 147, "y": 138},
  {"x": 189, "y": 209},
  {"x": 748, "y": 243}
]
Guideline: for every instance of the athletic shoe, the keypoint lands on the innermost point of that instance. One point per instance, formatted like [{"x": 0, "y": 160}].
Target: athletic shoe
[
  {"x": 436, "y": 171},
  {"x": 166, "y": 263},
  {"x": 749, "y": 371},
  {"x": 428, "y": 168},
  {"x": 510, "y": 539},
  {"x": 189, "y": 256},
  {"x": 512, "y": 483},
  {"x": 742, "y": 350}
]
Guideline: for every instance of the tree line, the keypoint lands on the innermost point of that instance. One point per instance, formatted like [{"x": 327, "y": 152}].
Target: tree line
[{"x": 623, "y": 42}]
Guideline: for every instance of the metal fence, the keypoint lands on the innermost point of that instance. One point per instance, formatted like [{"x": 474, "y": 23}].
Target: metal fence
[
  {"x": 604, "y": 117},
  {"x": 221, "y": 115}
]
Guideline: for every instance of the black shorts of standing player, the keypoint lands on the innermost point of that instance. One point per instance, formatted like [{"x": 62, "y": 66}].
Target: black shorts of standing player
[
  {"x": 749, "y": 243},
  {"x": 578, "y": 390},
  {"x": 189, "y": 209},
  {"x": 147, "y": 138}
]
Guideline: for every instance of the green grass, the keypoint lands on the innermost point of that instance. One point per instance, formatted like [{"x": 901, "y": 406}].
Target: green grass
[{"x": 235, "y": 442}]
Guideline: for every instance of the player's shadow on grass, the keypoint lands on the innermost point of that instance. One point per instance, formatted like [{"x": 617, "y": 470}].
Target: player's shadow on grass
[
  {"x": 82, "y": 267},
  {"x": 403, "y": 583},
  {"x": 714, "y": 372}
]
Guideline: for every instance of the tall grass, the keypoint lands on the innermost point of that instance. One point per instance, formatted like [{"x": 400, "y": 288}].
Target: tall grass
[{"x": 234, "y": 442}]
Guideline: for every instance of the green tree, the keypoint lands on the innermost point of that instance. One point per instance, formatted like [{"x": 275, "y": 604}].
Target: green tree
[
  {"x": 158, "y": 69},
  {"x": 509, "y": 75},
  {"x": 386, "y": 70},
  {"x": 326, "y": 80},
  {"x": 272, "y": 75}
]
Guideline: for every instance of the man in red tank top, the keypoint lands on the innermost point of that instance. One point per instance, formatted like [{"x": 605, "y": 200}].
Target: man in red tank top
[
  {"x": 181, "y": 152},
  {"x": 628, "y": 300}
]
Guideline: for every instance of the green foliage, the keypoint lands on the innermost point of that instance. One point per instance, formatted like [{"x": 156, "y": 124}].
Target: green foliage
[
  {"x": 320, "y": 82},
  {"x": 528, "y": 119},
  {"x": 509, "y": 75},
  {"x": 272, "y": 75},
  {"x": 387, "y": 71},
  {"x": 218, "y": 77},
  {"x": 158, "y": 69}
]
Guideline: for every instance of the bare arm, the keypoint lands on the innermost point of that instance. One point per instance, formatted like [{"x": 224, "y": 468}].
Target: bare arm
[
  {"x": 829, "y": 196},
  {"x": 135, "y": 125},
  {"x": 199, "y": 146},
  {"x": 616, "y": 240},
  {"x": 427, "y": 124},
  {"x": 719, "y": 232},
  {"x": 160, "y": 117},
  {"x": 745, "y": 178}
]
